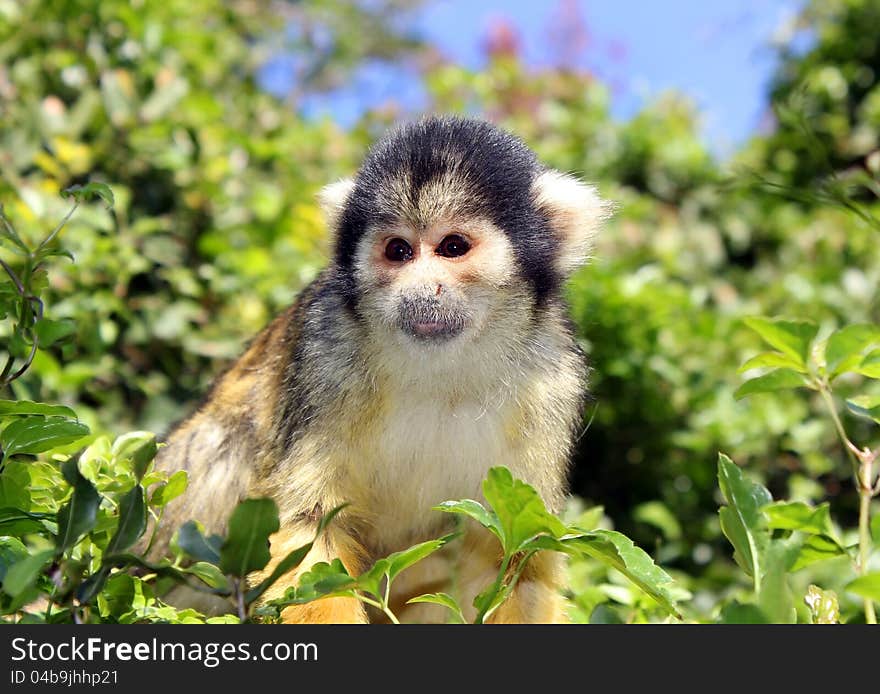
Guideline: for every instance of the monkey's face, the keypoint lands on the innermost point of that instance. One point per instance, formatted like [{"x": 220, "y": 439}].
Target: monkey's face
[
  {"x": 452, "y": 234},
  {"x": 435, "y": 284}
]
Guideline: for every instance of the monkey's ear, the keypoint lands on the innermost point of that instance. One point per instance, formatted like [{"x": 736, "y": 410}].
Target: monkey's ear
[
  {"x": 575, "y": 212},
  {"x": 332, "y": 199}
]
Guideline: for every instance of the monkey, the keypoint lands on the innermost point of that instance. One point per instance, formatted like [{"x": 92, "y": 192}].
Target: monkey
[{"x": 436, "y": 344}]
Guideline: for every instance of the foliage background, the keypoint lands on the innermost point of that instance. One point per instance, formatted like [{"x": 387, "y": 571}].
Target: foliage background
[{"x": 216, "y": 227}]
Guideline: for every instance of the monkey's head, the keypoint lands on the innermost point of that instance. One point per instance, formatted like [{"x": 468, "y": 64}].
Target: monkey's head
[{"x": 452, "y": 226}]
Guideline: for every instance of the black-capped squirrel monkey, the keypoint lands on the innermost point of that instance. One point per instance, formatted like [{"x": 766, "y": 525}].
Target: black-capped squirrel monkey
[{"x": 435, "y": 346}]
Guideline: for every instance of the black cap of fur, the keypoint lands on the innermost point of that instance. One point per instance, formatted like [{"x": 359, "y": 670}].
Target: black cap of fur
[{"x": 498, "y": 167}]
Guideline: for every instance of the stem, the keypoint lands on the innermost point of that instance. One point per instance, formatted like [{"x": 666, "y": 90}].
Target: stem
[
  {"x": 24, "y": 291},
  {"x": 496, "y": 587},
  {"x": 756, "y": 568},
  {"x": 385, "y": 608},
  {"x": 158, "y": 519},
  {"x": 379, "y": 606},
  {"x": 862, "y": 461},
  {"x": 12, "y": 233},
  {"x": 239, "y": 599},
  {"x": 9, "y": 271},
  {"x": 6, "y": 369},
  {"x": 865, "y": 543},
  {"x": 851, "y": 449},
  {"x": 391, "y": 615},
  {"x": 24, "y": 367},
  {"x": 46, "y": 241},
  {"x": 508, "y": 589}
]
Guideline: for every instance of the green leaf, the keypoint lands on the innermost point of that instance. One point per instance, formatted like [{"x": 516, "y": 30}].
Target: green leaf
[
  {"x": 817, "y": 548},
  {"x": 138, "y": 446},
  {"x": 89, "y": 589},
  {"x": 400, "y": 561},
  {"x": 391, "y": 566},
  {"x": 823, "y": 605},
  {"x": 208, "y": 574},
  {"x": 290, "y": 562},
  {"x": 776, "y": 360},
  {"x": 246, "y": 547},
  {"x": 21, "y": 407},
  {"x": 117, "y": 596},
  {"x": 870, "y": 365},
  {"x": 293, "y": 559},
  {"x": 162, "y": 569},
  {"x": 53, "y": 252},
  {"x": 24, "y": 573},
  {"x": 35, "y": 434},
  {"x": 790, "y": 337},
  {"x": 327, "y": 518},
  {"x": 796, "y": 515},
  {"x": 11, "y": 551},
  {"x": 475, "y": 510},
  {"x": 173, "y": 488},
  {"x": 323, "y": 580},
  {"x": 7, "y": 231},
  {"x": 844, "y": 348},
  {"x": 18, "y": 345},
  {"x": 738, "y": 613},
  {"x": 443, "y": 599},
  {"x": 619, "y": 552},
  {"x": 867, "y": 406},
  {"x": 521, "y": 512},
  {"x": 132, "y": 521},
  {"x": 15, "y": 521},
  {"x": 867, "y": 586},
  {"x": 83, "y": 193},
  {"x": 77, "y": 516},
  {"x": 370, "y": 581},
  {"x": 875, "y": 528},
  {"x": 49, "y": 331},
  {"x": 741, "y": 520},
  {"x": 191, "y": 540},
  {"x": 781, "y": 379},
  {"x": 775, "y": 597},
  {"x": 16, "y": 485}
]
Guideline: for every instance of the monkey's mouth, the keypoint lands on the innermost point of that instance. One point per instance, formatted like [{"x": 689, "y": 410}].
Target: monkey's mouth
[
  {"x": 434, "y": 329},
  {"x": 428, "y": 321}
]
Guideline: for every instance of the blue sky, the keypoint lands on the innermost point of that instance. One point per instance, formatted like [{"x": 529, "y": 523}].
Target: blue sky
[{"x": 716, "y": 51}]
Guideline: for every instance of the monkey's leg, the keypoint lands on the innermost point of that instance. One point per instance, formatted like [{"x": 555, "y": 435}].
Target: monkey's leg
[
  {"x": 534, "y": 600},
  {"x": 332, "y": 544}
]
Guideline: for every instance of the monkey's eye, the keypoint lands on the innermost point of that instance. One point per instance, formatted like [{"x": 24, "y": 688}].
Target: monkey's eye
[
  {"x": 453, "y": 246},
  {"x": 398, "y": 250}
]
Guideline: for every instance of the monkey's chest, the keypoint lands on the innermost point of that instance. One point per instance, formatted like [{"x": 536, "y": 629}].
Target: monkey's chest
[{"x": 418, "y": 453}]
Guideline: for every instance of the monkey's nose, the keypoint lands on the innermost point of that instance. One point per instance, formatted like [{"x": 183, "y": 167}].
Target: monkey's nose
[{"x": 439, "y": 289}]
